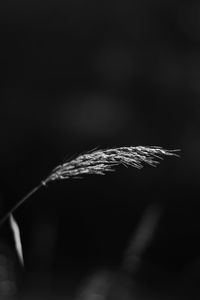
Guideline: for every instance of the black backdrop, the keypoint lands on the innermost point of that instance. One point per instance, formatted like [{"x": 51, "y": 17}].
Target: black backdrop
[{"x": 81, "y": 74}]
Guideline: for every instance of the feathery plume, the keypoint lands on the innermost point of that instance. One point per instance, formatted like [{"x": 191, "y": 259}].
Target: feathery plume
[{"x": 101, "y": 161}]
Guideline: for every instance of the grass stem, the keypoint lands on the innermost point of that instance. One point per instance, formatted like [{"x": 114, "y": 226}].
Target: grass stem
[{"x": 14, "y": 208}]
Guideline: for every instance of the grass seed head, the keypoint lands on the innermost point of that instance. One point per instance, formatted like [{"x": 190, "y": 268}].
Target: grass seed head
[{"x": 101, "y": 161}]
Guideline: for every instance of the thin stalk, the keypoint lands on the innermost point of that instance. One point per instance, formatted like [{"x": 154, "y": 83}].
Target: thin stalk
[
  {"x": 100, "y": 162},
  {"x": 14, "y": 208}
]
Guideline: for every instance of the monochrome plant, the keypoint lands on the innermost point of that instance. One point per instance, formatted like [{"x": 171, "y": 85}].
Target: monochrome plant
[
  {"x": 100, "y": 162},
  {"x": 97, "y": 162}
]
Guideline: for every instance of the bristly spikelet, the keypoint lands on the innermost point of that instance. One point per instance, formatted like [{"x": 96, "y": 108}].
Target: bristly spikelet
[
  {"x": 102, "y": 161},
  {"x": 99, "y": 162}
]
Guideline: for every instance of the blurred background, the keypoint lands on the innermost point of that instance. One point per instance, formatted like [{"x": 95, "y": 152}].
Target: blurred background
[{"x": 76, "y": 75}]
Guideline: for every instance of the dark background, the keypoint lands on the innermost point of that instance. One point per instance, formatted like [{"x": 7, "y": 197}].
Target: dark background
[{"x": 80, "y": 74}]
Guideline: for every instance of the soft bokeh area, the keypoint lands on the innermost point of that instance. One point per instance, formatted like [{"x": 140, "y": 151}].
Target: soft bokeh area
[{"x": 76, "y": 75}]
